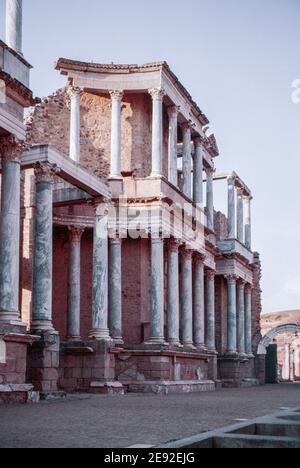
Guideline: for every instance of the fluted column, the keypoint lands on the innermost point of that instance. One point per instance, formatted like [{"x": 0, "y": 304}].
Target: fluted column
[
  {"x": 75, "y": 234},
  {"x": 187, "y": 160},
  {"x": 210, "y": 339},
  {"x": 173, "y": 293},
  {"x": 241, "y": 316},
  {"x": 198, "y": 302},
  {"x": 157, "y": 291},
  {"x": 10, "y": 150},
  {"x": 115, "y": 290},
  {"x": 13, "y": 24},
  {"x": 248, "y": 319},
  {"x": 157, "y": 95},
  {"x": 210, "y": 198},
  {"x": 240, "y": 215},
  {"x": 173, "y": 141},
  {"x": 100, "y": 329},
  {"x": 186, "y": 297},
  {"x": 231, "y": 315},
  {"x": 247, "y": 209},
  {"x": 198, "y": 172},
  {"x": 231, "y": 208},
  {"x": 43, "y": 248},
  {"x": 115, "y": 157},
  {"x": 74, "y": 95}
]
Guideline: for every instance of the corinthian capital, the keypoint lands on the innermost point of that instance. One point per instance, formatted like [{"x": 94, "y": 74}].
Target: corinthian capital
[
  {"x": 45, "y": 172},
  {"x": 157, "y": 93},
  {"x": 75, "y": 233},
  {"x": 173, "y": 112},
  {"x": 73, "y": 91},
  {"x": 116, "y": 94},
  {"x": 11, "y": 148}
]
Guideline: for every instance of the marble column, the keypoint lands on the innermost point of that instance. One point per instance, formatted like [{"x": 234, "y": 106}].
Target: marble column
[
  {"x": 173, "y": 293},
  {"x": 210, "y": 198},
  {"x": 247, "y": 208},
  {"x": 241, "y": 316},
  {"x": 186, "y": 298},
  {"x": 231, "y": 315},
  {"x": 100, "y": 329},
  {"x": 75, "y": 234},
  {"x": 157, "y": 292},
  {"x": 115, "y": 157},
  {"x": 10, "y": 150},
  {"x": 187, "y": 160},
  {"x": 74, "y": 95},
  {"x": 231, "y": 209},
  {"x": 210, "y": 339},
  {"x": 157, "y": 95},
  {"x": 173, "y": 141},
  {"x": 198, "y": 302},
  {"x": 13, "y": 25},
  {"x": 43, "y": 248},
  {"x": 240, "y": 215},
  {"x": 198, "y": 172},
  {"x": 248, "y": 319},
  {"x": 115, "y": 290}
]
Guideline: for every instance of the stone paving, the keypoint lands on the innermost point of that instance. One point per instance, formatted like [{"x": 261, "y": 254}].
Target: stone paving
[{"x": 122, "y": 421}]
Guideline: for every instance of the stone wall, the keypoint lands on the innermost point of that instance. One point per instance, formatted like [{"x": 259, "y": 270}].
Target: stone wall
[{"x": 256, "y": 302}]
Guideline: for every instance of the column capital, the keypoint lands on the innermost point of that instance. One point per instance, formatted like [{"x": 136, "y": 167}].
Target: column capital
[
  {"x": 240, "y": 191},
  {"x": 232, "y": 279},
  {"x": 73, "y": 91},
  {"x": 75, "y": 233},
  {"x": 157, "y": 93},
  {"x": 116, "y": 95},
  {"x": 173, "y": 111},
  {"x": 210, "y": 274},
  {"x": 198, "y": 141},
  {"x": 185, "y": 253},
  {"x": 45, "y": 172},
  {"x": 199, "y": 258},
  {"x": 247, "y": 198},
  {"x": 231, "y": 181},
  {"x": 210, "y": 171},
  {"x": 241, "y": 283},
  {"x": 11, "y": 148},
  {"x": 248, "y": 288},
  {"x": 174, "y": 244},
  {"x": 186, "y": 126}
]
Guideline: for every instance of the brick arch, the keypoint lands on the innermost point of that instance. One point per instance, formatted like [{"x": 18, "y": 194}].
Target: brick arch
[{"x": 269, "y": 337}]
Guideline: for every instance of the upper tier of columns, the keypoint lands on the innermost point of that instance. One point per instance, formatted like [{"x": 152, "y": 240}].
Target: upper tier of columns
[
  {"x": 13, "y": 24},
  {"x": 239, "y": 213}
]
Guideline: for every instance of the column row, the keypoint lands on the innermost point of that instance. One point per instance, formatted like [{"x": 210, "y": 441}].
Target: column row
[{"x": 239, "y": 214}]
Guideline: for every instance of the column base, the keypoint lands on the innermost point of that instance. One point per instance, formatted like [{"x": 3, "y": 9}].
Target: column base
[
  {"x": 189, "y": 345},
  {"x": 12, "y": 320},
  {"x": 231, "y": 354},
  {"x": 74, "y": 338},
  {"x": 42, "y": 326},
  {"x": 156, "y": 341},
  {"x": 118, "y": 341},
  {"x": 175, "y": 343},
  {"x": 201, "y": 347},
  {"x": 100, "y": 334}
]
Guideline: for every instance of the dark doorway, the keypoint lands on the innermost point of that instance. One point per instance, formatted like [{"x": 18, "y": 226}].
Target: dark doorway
[{"x": 272, "y": 365}]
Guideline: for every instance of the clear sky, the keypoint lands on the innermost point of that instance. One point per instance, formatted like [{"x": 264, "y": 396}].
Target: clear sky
[{"x": 238, "y": 59}]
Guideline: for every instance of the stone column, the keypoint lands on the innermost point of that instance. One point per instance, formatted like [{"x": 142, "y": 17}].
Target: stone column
[
  {"x": 187, "y": 160},
  {"x": 173, "y": 141},
  {"x": 240, "y": 215},
  {"x": 186, "y": 297},
  {"x": 198, "y": 302},
  {"x": 74, "y": 95},
  {"x": 157, "y": 95},
  {"x": 43, "y": 248},
  {"x": 115, "y": 158},
  {"x": 286, "y": 364},
  {"x": 75, "y": 234},
  {"x": 231, "y": 209},
  {"x": 210, "y": 339},
  {"x": 115, "y": 290},
  {"x": 173, "y": 293},
  {"x": 198, "y": 172},
  {"x": 210, "y": 198},
  {"x": 157, "y": 291},
  {"x": 247, "y": 208},
  {"x": 248, "y": 319},
  {"x": 231, "y": 315},
  {"x": 11, "y": 150},
  {"x": 100, "y": 329},
  {"x": 241, "y": 316},
  {"x": 13, "y": 25}
]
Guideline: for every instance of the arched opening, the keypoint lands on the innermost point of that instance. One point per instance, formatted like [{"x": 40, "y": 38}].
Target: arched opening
[
  {"x": 2, "y": 351},
  {"x": 281, "y": 346}
]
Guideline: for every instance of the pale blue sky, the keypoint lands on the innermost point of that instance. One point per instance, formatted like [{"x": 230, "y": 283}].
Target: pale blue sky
[{"x": 238, "y": 59}]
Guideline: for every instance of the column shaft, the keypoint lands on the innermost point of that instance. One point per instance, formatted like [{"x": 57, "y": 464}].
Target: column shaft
[
  {"x": 231, "y": 209},
  {"x": 115, "y": 167},
  {"x": 248, "y": 319},
  {"x": 157, "y": 131},
  {"x": 198, "y": 173},
  {"x": 100, "y": 329},
  {"x": 75, "y": 235},
  {"x": 173, "y": 141},
  {"x": 43, "y": 248},
  {"x": 210, "y": 199},
  {"x": 115, "y": 290},
  {"x": 13, "y": 24},
  {"x": 157, "y": 291},
  {"x": 186, "y": 297},
  {"x": 210, "y": 339},
  {"x": 231, "y": 315},
  {"x": 187, "y": 161},
  {"x": 241, "y": 317},
  {"x": 240, "y": 216},
  {"x": 173, "y": 293},
  {"x": 74, "y": 95},
  {"x": 247, "y": 207},
  {"x": 199, "y": 303}
]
